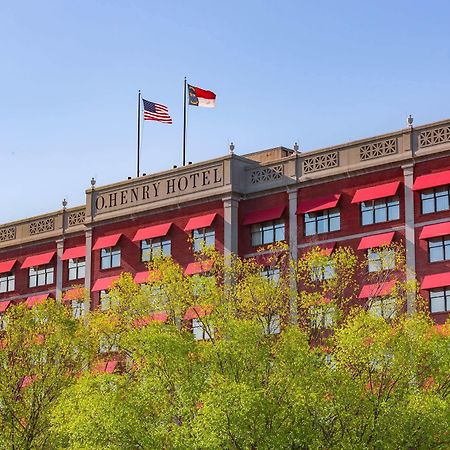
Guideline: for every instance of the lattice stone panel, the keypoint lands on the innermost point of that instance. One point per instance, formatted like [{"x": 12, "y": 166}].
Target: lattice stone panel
[
  {"x": 378, "y": 149},
  {"x": 43, "y": 225},
  {"x": 321, "y": 162},
  {"x": 76, "y": 218},
  {"x": 433, "y": 137},
  {"x": 266, "y": 174},
  {"x": 7, "y": 234}
]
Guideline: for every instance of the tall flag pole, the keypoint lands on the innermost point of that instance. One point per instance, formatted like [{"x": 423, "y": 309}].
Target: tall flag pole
[
  {"x": 138, "y": 132},
  {"x": 184, "y": 123}
]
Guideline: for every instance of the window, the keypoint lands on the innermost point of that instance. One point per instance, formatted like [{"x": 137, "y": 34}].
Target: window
[
  {"x": 323, "y": 272},
  {"x": 267, "y": 232},
  {"x": 110, "y": 257},
  {"x": 3, "y": 321},
  {"x": 440, "y": 300},
  {"x": 380, "y": 259},
  {"x": 109, "y": 343},
  {"x": 384, "y": 307},
  {"x": 76, "y": 268},
  {"x": 203, "y": 237},
  {"x": 322, "y": 221},
  {"x": 201, "y": 331},
  {"x": 77, "y": 309},
  {"x": 40, "y": 276},
  {"x": 434, "y": 200},
  {"x": 382, "y": 210},
  {"x": 439, "y": 249},
  {"x": 151, "y": 248},
  {"x": 322, "y": 317},
  {"x": 272, "y": 274},
  {"x": 273, "y": 324},
  {"x": 105, "y": 301},
  {"x": 7, "y": 282}
]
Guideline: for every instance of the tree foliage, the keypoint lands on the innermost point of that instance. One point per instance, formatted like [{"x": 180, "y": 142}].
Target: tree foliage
[{"x": 257, "y": 381}]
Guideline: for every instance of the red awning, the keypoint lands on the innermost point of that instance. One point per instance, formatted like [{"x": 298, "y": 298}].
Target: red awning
[
  {"x": 377, "y": 289},
  {"x": 432, "y": 180},
  {"x": 106, "y": 241},
  {"x": 35, "y": 300},
  {"x": 152, "y": 232},
  {"x": 28, "y": 380},
  {"x": 264, "y": 216},
  {"x": 74, "y": 294},
  {"x": 436, "y": 280},
  {"x": 197, "y": 311},
  {"x": 105, "y": 366},
  {"x": 430, "y": 231},
  {"x": 318, "y": 204},
  {"x": 377, "y": 240},
  {"x": 375, "y": 192},
  {"x": 4, "y": 306},
  {"x": 147, "y": 276},
  {"x": 6, "y": 266},
  {"x": 195, "y": 223},
  {"x": 198, "y": 267},
  {"x": 74, "y": 252},
  {"x": 103, "y": 284},
  {"x": 37, "y": 260},
  {"x": 153, "y": 317}
]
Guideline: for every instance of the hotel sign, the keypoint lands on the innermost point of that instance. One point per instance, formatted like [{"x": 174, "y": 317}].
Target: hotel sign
[{"x": 159, "y": 189}]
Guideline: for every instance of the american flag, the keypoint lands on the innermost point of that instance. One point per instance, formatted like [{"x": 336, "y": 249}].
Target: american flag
[{"x": 156, "y": 111}]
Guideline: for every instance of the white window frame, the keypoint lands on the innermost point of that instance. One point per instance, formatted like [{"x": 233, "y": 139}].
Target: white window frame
[
  {"x": 380, "y": 210},
  {"x": 320, "y": 222},
  {"x": 380, "y": 259},
  {"x": 42, "y": 276},
  {"x": 110, "y": 257},
  {"x": 385, "y": 307},
  {"x": 76, "y": 268},
  {"x": 7, "y": 282},
  {"x": 151, "y": 248},
  {"x": 268, "y": 232},
  {"x": 322, "y": 317},
  {"x": 443, "y": 295},
  {"x": 201, "y": 332},
  {"x": 203, "y": 238}
]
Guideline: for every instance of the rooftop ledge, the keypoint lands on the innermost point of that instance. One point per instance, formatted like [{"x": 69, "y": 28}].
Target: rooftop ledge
[{"x": 249, "y": 173}]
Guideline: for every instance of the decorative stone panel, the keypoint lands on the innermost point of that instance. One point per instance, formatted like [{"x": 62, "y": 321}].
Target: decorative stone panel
[
  {"x": 320, "y": 162},
  {"x": 378, "y": 149},
  {"x": 7, "y": 234},
  {"x": 433, "y": 137},
  {"x": 42, "y": 225},
  {"x": 266, "y": 174},
  {"x": 76, "y": 218}
]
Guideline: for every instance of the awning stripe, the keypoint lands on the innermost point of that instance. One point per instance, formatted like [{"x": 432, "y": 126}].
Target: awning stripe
[
  {"x": 318, "y": 204},
  {"x": 35, "y": 300},
  {"x": 6, "y": 266},
  {"x": 74, "y": 252},
  {"x": 439, "y": 229},
  {"x": 432, "y": 180},
  {"x": 375, "y": 192},
  {"x": 194, "y": 223},
  {"x": 376, "y": 240},
  {"x": 102, "y": 284},
  {"x": 106, "y": 241},
  {"x": 37, "y": 260},
  {"x": 198, "y": 267},
  {"x": 264, "y": 215},
  {"x": 152, "y": 232},
  {"x": 377, "y": 289},
  {"x": 436, "y": 280}
]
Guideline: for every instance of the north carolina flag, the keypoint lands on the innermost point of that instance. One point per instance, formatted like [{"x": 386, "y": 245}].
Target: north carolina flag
[{"x": 200, "y": 97}]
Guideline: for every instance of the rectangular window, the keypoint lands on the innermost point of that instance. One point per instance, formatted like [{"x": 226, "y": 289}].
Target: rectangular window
[
  {"x": 2, "y": 322},
  {"x": 322, "y": 317},
  {"x": 384, "y": 307},
  {"x": 378, "y": 211},
  {"x": 152, "y": 248},
  {"x": 435, "y": 200},
  {"x": 323, "y": 272},
  {"x": 267, "y": 232},
  {"x": 201, "y": 332},
  {"x": 272, "y": 274},
  {"x": 440, "y": 300},
  {"x": 77, "y": 309},
  {"x": 40, "y": 276},
  {"x": 105, "y": 301},
  {"x": 380, "y": 259},
  {"x": 76, "y": 268},
  {"x": 203, "y": 237},
  {"x": 273, "y": 324},
  {"x": 7, "y": 282},
  {"x": 110, "y": 257},
  {"x": 322, "y": 221},
  {"x": 439, "y": 249}
]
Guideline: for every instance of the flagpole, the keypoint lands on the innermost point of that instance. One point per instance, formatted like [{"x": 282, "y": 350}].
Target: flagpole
[
  {"x": 138, "y": 132},
  {"x": 184, "y": 123}
]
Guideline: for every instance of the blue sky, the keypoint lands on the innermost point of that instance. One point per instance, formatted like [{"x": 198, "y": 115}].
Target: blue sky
[{"x": 317, "y": 72}]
